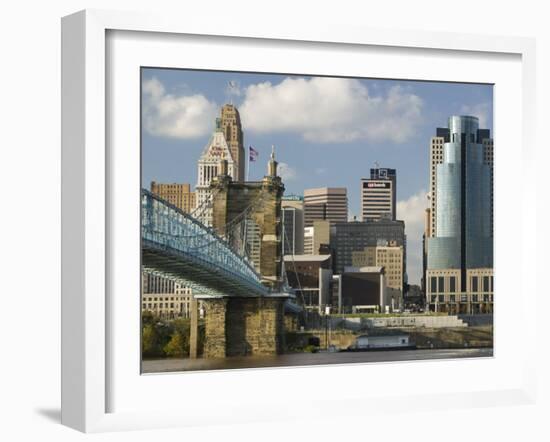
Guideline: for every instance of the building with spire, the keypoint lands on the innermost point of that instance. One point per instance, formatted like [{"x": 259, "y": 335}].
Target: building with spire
[
  {"x": 215, "y": 150},
  {"x": 230, "y": 125}
]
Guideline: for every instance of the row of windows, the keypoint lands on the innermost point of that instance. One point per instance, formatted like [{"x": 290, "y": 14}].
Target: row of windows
[
  {"x": 484, "y": 283},
  {"x": 437, "y": 284},
  {"x": 478, "y": 283},
  {"x": 378, "y": 195},
  {"x": 172, "y": 298},
  {"x": 158, "y": 305},
  {"x": 461, "y": 298}
]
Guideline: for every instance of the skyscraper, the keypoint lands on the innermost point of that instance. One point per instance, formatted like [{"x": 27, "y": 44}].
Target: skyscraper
[
  {"x": 378, "y": 194},
  {"x": 483, "y": 136},
  {"x": 292, "y": 207},
  {"x": 179, "y": 195},
  {"x": 230, "y": 123},
  {"x": 208, "y": 166},
  {"x": 460, "y": 245},
  {"x": 436, "y": 157},
  {"x": 326, "y": 203}
]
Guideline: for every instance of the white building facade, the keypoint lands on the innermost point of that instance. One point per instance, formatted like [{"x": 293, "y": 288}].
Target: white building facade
[{"x": 216, "y": 150}]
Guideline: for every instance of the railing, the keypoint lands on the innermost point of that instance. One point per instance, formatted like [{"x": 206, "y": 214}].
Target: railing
[{"x": 166, "y": 225}]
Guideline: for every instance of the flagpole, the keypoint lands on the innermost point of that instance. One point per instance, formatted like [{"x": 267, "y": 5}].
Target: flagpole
[
  {"x": 247, "y": 163},
  {"x": 246, "y": 219}
]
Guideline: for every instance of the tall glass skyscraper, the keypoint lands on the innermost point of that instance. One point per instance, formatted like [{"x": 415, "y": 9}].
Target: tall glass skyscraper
[{"x": 463, "y": 200}]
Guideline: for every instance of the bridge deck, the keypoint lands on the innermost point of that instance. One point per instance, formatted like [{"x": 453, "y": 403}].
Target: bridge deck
[{"x": 176, "y": 245}]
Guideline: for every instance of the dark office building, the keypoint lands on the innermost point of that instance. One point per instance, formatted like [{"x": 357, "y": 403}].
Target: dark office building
[
  {"x": 349, "y": 237},
  {"x": 361, "y": 290}
]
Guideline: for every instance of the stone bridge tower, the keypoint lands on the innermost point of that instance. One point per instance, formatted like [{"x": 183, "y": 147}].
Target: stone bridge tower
[
  {"x": 248, "y": 325},
  {"x": 262, "y": 200}
]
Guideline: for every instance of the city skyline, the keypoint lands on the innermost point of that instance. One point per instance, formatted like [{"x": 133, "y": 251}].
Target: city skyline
[{"x": 318, "y": 144}]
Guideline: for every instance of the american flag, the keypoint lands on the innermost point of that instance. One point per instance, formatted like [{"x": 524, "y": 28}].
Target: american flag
[{"x": 252, "y": 153}]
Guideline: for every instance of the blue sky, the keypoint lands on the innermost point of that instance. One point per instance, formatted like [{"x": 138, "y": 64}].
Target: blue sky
[{"x": 326, "y": 131}]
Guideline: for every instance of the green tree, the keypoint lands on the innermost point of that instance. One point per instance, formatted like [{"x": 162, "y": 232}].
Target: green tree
[
  {"x": 176, "y": 346},
  {"x": 179, "y": 344},
  {"x": 149, "y": 340},
  {"x": 154, "y": 337},
  {"x": 147, "y": 317}
]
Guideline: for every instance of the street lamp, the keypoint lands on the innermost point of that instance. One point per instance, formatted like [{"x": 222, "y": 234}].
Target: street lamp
[{"x": 327, "y": 330}]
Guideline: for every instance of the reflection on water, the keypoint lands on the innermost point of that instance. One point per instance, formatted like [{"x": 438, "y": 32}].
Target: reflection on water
[{"x": 301, "y": 359}]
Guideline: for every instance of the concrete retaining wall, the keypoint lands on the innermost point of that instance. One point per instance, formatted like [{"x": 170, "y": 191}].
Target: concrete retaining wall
[
  {"x": 398, "y": 322},
  {"x": 475, "y": 320}
]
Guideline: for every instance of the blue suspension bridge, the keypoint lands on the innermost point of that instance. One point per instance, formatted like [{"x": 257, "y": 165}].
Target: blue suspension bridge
[
  {"x": 244, "y": 310},
  {"x": 178, "y": 246}
]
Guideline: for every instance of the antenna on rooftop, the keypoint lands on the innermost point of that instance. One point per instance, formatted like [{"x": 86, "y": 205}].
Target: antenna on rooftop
[{"x": 232, "y": 86}]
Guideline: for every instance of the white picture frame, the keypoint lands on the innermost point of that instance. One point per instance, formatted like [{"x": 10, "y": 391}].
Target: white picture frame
[{"x": 87, "y": 205}]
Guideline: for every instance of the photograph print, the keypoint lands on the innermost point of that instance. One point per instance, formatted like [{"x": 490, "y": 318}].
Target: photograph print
[{"x": 300, "y": 220}]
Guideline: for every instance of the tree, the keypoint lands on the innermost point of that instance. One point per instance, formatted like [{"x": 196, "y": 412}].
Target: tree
[
  {"x": 149, "y": 340},
  {"x": 179, "y": 343},
  {"x": 176, "y": 346},
  {"x": 147, "y": 317},
  {"x": 154, "y": 336}
]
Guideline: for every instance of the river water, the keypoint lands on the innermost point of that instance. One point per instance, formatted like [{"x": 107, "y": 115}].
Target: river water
[{"x": 308, "y": 359}]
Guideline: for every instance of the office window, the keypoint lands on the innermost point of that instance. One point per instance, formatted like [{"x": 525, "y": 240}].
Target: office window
[
  {"x": 441, "y": 284},
  {"x": 485, "y": 283},
  {"x": 474, "y": 283},
  {"x": 452, "y": 284},
  {"x": 433, "y": 284}
]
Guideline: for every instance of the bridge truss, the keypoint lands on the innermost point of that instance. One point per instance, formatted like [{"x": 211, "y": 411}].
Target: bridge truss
[{"x": 175, "y": 245}]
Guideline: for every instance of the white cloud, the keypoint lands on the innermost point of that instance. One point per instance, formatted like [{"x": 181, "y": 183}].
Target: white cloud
[
  {"x": 331, "y": 110},
  {"x": 412, "y": 211},
  {"x": 320, "y": 170},
  {"x": 480, "y": 110},
  {"x": 286, "y": 172},
  {"x": 176, "y": 116}
]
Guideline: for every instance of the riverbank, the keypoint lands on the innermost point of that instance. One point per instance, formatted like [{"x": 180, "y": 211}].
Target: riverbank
[{"x": 422, "y": 337}]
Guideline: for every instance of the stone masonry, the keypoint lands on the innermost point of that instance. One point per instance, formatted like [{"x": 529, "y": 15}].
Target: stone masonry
[
  {"x": 239, "y": 326},
  {"x": 263, "y": 201},
  {"x": 244, "y": 326},
  {"x": 215, "y": 319}
]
